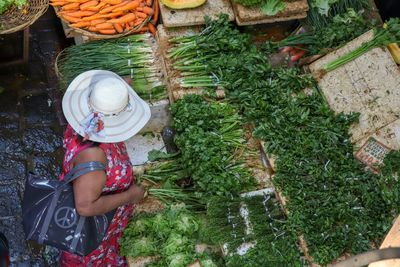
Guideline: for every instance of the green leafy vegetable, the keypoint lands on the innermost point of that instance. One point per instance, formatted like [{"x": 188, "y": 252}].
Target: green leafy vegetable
[
  {"x": 6, "y": 4},
  {"x": 268, "y": 7}
]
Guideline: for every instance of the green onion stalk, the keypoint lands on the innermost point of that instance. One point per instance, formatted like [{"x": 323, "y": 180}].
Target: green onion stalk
[
  {"x": 131, "y": 56},
  {"x": 170, "y": 196},
  {"x": 382, "y": 37}
]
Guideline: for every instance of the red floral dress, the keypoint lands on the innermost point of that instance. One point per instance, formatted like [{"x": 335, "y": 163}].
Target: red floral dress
[{"x": 119, "y": 178}]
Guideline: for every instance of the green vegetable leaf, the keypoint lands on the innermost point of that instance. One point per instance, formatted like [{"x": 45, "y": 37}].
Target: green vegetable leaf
[
  {"x": 272, "y": 7},
  {"x": 154, "y": 155}
]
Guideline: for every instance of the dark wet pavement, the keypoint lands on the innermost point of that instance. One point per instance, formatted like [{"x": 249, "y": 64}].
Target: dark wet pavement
[{"x": 30, "y": 132}]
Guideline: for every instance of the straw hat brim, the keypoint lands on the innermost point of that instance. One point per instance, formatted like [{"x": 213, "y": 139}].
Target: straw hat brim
[{"x": 117, "y": 128}]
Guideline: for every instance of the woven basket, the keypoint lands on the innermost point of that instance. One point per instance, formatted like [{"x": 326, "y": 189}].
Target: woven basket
[
  {"x": 15, "y": 19},
  {"x": 97, "y": 36}
]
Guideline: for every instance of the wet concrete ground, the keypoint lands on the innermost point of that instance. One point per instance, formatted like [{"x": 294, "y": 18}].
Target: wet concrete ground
[{"x": 30, "y": 132}]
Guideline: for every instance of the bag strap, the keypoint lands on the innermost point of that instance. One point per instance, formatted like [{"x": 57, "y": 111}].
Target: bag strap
[{"x": 81, "y": 169}]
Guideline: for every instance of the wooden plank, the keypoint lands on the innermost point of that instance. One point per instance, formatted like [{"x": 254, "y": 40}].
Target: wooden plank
[
  {"x": 251, "y": 16},
  {"x": 195, "y": 16},
  {"x": 392, "y": 239}
]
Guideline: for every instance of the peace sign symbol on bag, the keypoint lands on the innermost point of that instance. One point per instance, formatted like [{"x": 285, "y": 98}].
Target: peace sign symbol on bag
[{"x": 65, "y": 217}]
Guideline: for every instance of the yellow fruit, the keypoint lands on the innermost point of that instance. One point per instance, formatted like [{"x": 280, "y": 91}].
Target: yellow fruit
[
  {"x": 182, "y": 4},
  {"x": 395, "y": 51}
]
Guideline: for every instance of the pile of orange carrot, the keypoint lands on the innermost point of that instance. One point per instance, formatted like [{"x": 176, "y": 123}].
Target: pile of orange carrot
[{"x": 109, "y": 16}]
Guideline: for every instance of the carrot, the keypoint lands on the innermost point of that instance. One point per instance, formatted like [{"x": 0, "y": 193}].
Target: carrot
[
  {"x": 113, "y": 14},
  {"x": 71, "y": 6},
  {"x": 118, "y": 27},
  {"x": 92, "y": 29},
  {"x": 138, "y": 22},
  {"x": 112, "y": 2},
  {"x": 88, "y": 4},
  {"x": 81, "y": 24},
  {"x": 102, "y": 16},
  {"x": 80, "y": 13},
  {"x": 58, "y": 3},
  {"x": 97, "y": 21},
  {"x": 152, "y": 29},
  {"x": 108, "y": 31},
  {"x": 96, "y": 8},
  {"x": 130, "y": 24},
  {"x": 104, "y": 26},
  {"x": 156, "y": 13},
  {"x": 111, "y": 8},
  {"x": 128, "y": 6},
  {"x": 76, "y": 1},
  {"x": 71, "y": 19},
  {"x": 128, "y": 17},
  {"x": 142, "y": 30},
  {"x": 149, "y": 2},
  {"x": 148, "y": 10},
  {"x": 141, "y": 15}
]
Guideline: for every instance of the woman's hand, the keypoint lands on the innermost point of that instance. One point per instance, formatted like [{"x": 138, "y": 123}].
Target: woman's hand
[{"x": 136, "y": 193}]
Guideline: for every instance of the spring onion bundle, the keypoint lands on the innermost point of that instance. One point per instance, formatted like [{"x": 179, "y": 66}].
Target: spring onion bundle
[
  {"x": 131, "y": 56},
  {"x": 254, "y": 220},
  {"x": 382, "y": 37},
  {"x": 194, "y": 54}
]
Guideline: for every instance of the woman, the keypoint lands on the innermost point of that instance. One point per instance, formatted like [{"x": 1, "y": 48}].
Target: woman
[{"x": 102, "y": 111}]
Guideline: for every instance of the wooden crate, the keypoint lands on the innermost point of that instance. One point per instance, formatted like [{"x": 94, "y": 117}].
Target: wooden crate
[
  {"x": 251, "y": 16},
  {"x": 195, "y": 16}
]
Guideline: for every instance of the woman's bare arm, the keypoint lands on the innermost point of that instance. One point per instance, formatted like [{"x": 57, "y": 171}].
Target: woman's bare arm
[{"x": 88, "y": 188}]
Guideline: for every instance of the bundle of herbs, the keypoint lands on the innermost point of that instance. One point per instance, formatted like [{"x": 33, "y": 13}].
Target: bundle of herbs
[
  {"x": 342, "y": 29},
  {"x": 252, "y": 231},
  {"x": 131, "y": 56},
  {"x": 192, "y": 53},
  {"x": 382, "y": 37},
  {"x": 209, "y": 136},
  {"x": 170, "y": 236}
]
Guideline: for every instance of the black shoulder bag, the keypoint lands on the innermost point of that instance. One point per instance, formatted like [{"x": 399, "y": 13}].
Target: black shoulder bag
[{"x": 50, "y": 217}]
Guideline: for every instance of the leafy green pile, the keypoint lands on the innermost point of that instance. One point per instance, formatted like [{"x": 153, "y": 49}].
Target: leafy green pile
[
  {"x": 342, "y": 29},
  {"x": 130, "y": 56},
  {"x": 208, "y": 135},
  {"x": 6, "y": 4},
  {"x": 332, "y": 200},
  {"x": 268, "y": 7},
  {"x": 322, "y": 12},
  {"x": 171, "y": 235},
  {"x": 257, "y": 220}
]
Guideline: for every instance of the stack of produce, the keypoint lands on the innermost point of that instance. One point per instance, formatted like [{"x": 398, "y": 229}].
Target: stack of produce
[
  {"x": 332, "y": 200},
  {"x": 211, "y": 161},
  {"x": 7, "y": 4},
  {"x": 109, "y": 17},
  {"x": 169, "y": 236},
  {"x": 252, "y": 230},
  {"x": 130, "y": 56}
]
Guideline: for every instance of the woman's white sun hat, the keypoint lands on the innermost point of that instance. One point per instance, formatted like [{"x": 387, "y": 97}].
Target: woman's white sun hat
[{"x": 100, "y": 106}]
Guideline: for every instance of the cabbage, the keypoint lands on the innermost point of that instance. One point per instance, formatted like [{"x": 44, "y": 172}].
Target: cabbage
[
  {"x": 176, "y": 243},
  {"x": 186, "y": 224},
  {"x": 179, "y": 260},
  {"x": 144, "y": 246}
]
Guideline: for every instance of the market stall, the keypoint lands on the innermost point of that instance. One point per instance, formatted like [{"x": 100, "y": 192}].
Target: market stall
[{"x": 270, "y": 165}]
